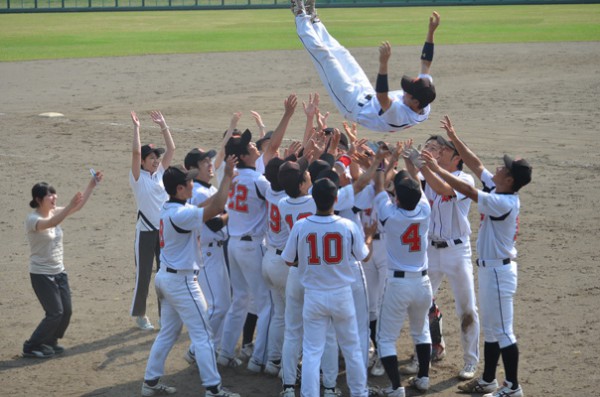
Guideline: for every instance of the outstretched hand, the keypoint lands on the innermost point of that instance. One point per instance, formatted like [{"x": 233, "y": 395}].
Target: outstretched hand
[
  {"x": 385, "y": 52},
  {"x": 76, "y": 200},
  {"x": 434, "y": 21},
  {"x": 447, "y": 125},
  {"x": 158, "y": 118},
  {"x": 412, "y": 154},
  {"x": 311, "y": 108},
  {"x": 134, "y": 118},
  {"x": 431, "y": 162}
]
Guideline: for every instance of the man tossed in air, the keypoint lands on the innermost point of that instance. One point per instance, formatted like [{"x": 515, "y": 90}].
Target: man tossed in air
[{"x": 377, "y": 109}]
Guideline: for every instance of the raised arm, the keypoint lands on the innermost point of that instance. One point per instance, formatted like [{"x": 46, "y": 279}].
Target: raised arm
[
  {"x": 88, "y": 191},
  {"x": 136, "y": 148},
  {"x": 262, "y": 130},
  {"x": 216, "y": 205},
  {"x": 457, "y": 184},
  {"x": 468, "y": 157},
  {"x": 436, "y": 183},
  {"x": 427, "y": 53},
  {"x": 289, "y": 105},
  {"x": 367, "y": 176},
  {"x": 158, "y": 118},
  {"x": 232, "y": 126},
  {"x": 310, "y": 110},
  {"x": 381, "y": 86}
]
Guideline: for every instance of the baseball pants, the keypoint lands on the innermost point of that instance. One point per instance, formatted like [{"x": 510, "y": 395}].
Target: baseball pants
[
  {"x": 54, "y": 294},
  {"x": 216, "y": 288},
  {"x": 147, "y": 248},
  {"x": 342, "y": 76},
  {"x": 497, "y": 288},
  {"x": 275, "y": 273},
  {"x": 375, "y": 274},
  {"x": 361, "y": 309},
  {"x": 410, "y": 297},
  {"x": 322, "y": 309},
  {"x": 245, "y": 265},
  {"x": 292, "y": 342},
  {"x": 182, "y": 303},
  {"x": 454, "y": 263}
]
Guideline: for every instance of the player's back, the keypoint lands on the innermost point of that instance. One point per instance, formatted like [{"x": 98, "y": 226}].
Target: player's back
[
  {"x": 292, "y": 209},
  {"x": 246, "y": 204},
  {"x": 276, "y": 235}
]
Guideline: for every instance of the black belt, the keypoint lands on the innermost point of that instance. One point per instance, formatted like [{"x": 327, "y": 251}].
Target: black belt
[
  {"x": 367, "y": 99},
  {"x": 246, "y": 238},
  {"x": 401, "y": 274},
  {"x": 218, "y": 244},
  {"x": 444, "y": 244},
  {"x": 377, "y": 236},
  {"x": 505, "y": 261},
  {"x": 278, "y": 252},
  {"x": 169, "y": 270}
]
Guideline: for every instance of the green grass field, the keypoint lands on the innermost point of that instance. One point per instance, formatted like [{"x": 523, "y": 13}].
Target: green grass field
[{"x": 104, "y": 34}]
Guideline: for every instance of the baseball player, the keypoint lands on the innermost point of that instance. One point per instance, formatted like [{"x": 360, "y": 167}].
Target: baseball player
[
  {"x": 145, "y": 179},
  {"x": 408, "y": 288},
  {"x": 324, "y": 246},
  {"x": 449, "y": 250},
  {"x": 377, "y": 109},
  {"x": 177, "y": 281},
  {"x": 247, "y": 225},
  {"x": 499, "y": 206},
  {"x": 213, "y": 277}
]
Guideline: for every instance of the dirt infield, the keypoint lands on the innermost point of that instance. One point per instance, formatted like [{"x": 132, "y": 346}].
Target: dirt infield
[{"x": 539, "y": 101}]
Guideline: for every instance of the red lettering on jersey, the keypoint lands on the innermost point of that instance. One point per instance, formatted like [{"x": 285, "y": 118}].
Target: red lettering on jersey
[
  {"x": 445, "y": 199},
  {"x": 517, "y": 230},
  {"x": 368, "y": 211},
  {"x": 160, "y": 235},
  {"x": 412, "y": 238},
  {"x": 332, "y": 249},
  {"x": 237, "y": 198},
  {"x": 290, "y": 221},
  {"x": 274, "y": 218}
]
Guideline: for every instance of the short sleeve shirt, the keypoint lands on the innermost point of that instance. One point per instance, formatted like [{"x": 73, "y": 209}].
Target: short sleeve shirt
[
  {"x": 150, "y": 195},
  {"x": 46, "y": 247}
]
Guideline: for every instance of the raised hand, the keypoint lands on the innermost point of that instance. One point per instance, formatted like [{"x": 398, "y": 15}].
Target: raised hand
[
  {"x": 134, "y": 118},
  {"x": 257, "y": 118},
  {"x": 431, "y": 162},
  {"x": 447, "y": 125},
  {"x": 312, "y": 107},
  {"x": 385, "y": 52},
  {"x": 434, "y": 21},
  {"x": 290, "y": 103},
  {"x": 158, "y": 118},
  {"x": 230, "y": 163}
]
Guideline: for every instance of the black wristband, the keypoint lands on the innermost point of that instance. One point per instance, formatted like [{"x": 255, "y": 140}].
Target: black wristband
[
  {"x": 427, "y": 53},
  {"x": 382, "y": 83}
]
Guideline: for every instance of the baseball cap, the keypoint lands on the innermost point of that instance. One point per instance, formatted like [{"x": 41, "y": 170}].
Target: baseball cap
[
  {"x": 238, "y": 145},
  {"x": 520, "y": 171},
  {"x": 408, "y": 192},
  {"x": 177, "y": 175},
  {"x": 290, "y": 173},
  {"x": 262, "y": 140},
  {"x": 324, "y": 192},
  {"x": 195, "y": 155},
  {"x": 147, "y": 149},
  {"x": 316, "y": 167},
  {"x": 422, "y": 89}
]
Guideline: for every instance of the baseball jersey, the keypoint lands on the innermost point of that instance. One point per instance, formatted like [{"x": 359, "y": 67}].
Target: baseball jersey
[
  {"x": 326, "y": 247},
  {"x": 397, "y": 117},
  {"x": 179, "y": 228},
  {"x": 46, "y": 247},
  {"x": 294, "y": 209},
  {"x": 276, "y": 236},
  {"x": 499, "y": 221},
  {"x": 362, "y": 200},
  {"x": 202, "y": 192},
  {"x": 260, "y": 164},
  {"x": 406, "y": 233},
  {"x": 150, "y": 194},
  {"x": 449, "y": 214},
  {"x": 247, "y": 204}
]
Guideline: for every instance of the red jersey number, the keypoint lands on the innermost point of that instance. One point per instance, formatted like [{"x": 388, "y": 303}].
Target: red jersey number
[
  {"x": 412, "y": 238},
  {"x": 238, "y": 196},
  {"x": 332, "y": 249},
  {"x": 161, "y": 239},
  {"x": 274, "y": 218},
  {"x": 290, "y": 221}
]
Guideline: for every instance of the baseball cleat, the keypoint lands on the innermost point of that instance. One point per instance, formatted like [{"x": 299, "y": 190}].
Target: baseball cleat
[
  {"x": 272, "y": 368},
  {"x": 246, "y": 351},
  {"x": 377, "y": 369},
  {"x": 421, "y": 384},
  {"x": 468, "y": 372},
  {"x": 298, "y": 7},
  {"x": 389, "y": 392},
  {"x": 478, "y": 386},
  {"x": 506, "y": 391},
  {"x": 255, "y": 367},
  {"x": 332, "y": 392},
  {"x": 144, "y": 323},
  {"x": 157, "y": 389},
  {"x": 190, "y": 357},
  {"x": 288, "y": 392},
  {"x": 229, "y": 362},
  {"x": 220, "y": 391}
]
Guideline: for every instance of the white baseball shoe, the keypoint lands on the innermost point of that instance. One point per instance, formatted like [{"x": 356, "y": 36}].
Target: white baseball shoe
[
  {"x": 421, "y": 384},
  {"x": 255, "y": 367},
  {"x": 144, "y": 323},
  {"x": 506, "y": 391},
  {"x": 272, "y": 368},
  {"x": 389, "y": 392},
  {"x": 246, "y": 351},
  {"x": 332, "y": 392},
  {"x": 220, "y": 392},
  {"x": 298, "y": 7},
  {"x": 158, "y": 389},
  {"x": 288, "y": 392},
  {"x": 377, "y": 369},
  {"x": 478, "y": 386},
  {"x": 229, "y": 362},
  {"x": 468, "y": 372}
]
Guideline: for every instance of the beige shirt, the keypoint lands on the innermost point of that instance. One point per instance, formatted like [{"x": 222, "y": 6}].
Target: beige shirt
[{"x": 46, "y": 247}]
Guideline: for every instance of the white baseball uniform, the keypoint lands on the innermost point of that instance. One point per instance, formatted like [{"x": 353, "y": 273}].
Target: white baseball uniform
[
  {"x": 408, "y": 289},
  {"x": 247, "y": 224},
  {"x": 497, "y": 272},
  {"x": 275, "y": 272},
  {"x": 182, "y": 301},
  {"x": 326, "y": 246},
  {"x": 292, "y": 210},
  {"x": 449, "y": 255},
  {"x": 349, "y": 87},
  {"x": 213, "y": 277}
]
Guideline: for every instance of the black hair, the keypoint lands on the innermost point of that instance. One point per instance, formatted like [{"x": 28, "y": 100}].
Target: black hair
[{"x": 38, "y": 192}]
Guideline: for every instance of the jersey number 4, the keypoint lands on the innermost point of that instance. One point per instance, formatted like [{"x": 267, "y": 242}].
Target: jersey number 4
[
  {"x": 331, "y": 245},
  {"x": 238, "y": 196},
  {"x": 412, "y": 238}
]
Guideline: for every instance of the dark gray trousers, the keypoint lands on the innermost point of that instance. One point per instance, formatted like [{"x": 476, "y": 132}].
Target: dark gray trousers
[{"x": 147, "y": 249}]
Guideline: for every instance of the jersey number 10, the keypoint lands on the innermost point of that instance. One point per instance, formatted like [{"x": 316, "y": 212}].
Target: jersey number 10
[{"x": 332, "y": 249}]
